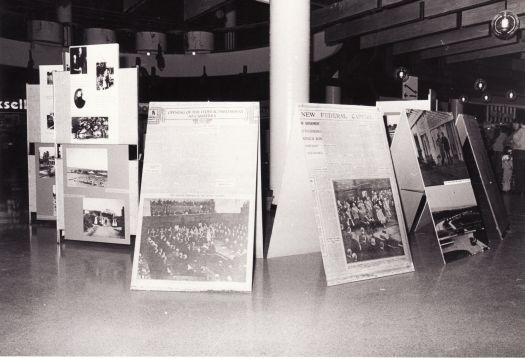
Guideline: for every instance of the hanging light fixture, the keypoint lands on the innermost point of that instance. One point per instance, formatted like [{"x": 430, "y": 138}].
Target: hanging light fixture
[
  {"x": 463, "y": 98},
  {"x": 511, "y": 95},
  {"x": 401, "y": 73},
  {"x": 480, "y": 85},
  {"x": 486, "y": 97},
  {"x": 505, "y": 24}
]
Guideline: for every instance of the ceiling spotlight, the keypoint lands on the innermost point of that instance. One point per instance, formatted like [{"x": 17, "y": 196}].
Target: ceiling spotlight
[
  {"x": 480, "y": 84},
  {"x": 463, "y": 98},
  {"x": 401, "y": 74},
  {"x": 505, "y": 24},
  {"x": 511, "y": 95},
  {"x": 486, "y": 97}
]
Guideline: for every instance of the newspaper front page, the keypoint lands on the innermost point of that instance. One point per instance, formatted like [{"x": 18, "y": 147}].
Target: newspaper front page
[
  {"x": 358, "y": 211},
  {"x": 197, "y": 206}
]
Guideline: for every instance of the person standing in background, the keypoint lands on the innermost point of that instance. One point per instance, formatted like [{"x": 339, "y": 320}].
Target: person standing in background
[
  {"x": 518, "y": 154},
  {"x": 498, "y": 147}
]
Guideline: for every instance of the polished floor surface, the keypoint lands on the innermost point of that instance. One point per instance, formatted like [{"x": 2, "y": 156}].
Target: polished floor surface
[{"x": 74, "y": 299}]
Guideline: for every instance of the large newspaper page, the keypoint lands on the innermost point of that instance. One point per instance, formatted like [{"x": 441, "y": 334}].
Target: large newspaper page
[
  {"x": 197, "y": 205},
  {"x": 359, "y": 215}
]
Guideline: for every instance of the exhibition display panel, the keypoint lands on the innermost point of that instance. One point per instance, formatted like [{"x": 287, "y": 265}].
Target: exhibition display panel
[
  {"x": 97, "y": 146},
  {"x": 197, "y": 214},
  {"x": 358, "y": 211},
  {"x": 437, "y": 166}
]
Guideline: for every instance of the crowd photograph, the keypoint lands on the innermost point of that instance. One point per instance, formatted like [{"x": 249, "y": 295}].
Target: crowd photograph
[
  {"x": 89, "y": 128},
  {"x": 368, "y": 219},
  {"x": 194, "y": 240}
]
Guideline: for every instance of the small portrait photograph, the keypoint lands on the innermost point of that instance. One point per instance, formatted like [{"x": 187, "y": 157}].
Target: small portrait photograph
[
  {"x": 105, "y": 76},
  {"x": 87, "y": 167},
  {"x": 103, "y": 218},
  {"x": 50, "y": 120},
  {"x": 49, "y": 77},
  {"x": 78, "y": 98},
  {"x": 89, "y": 128},
  {"x": 194, "y": 240},
  {"x": 78, "y": 60},
  {"x": 368, "y": 219},
  {"x": 46, "y": 160}
]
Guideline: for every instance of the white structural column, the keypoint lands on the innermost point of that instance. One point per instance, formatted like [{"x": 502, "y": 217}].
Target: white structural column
[{"x": 289, "y": 76}]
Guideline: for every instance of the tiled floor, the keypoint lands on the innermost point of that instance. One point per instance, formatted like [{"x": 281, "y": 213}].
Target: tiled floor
[{"x": 74, "y": 299}]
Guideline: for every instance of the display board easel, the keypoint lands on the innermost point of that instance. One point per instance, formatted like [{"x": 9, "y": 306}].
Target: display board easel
[
  {"x": 96, "y": 109},
  {"x": 489, "y": 196},
  {"x": 357, "y": 208},
  {"x": 200, "y": 206},
  {"x": 435, "y": 183}
]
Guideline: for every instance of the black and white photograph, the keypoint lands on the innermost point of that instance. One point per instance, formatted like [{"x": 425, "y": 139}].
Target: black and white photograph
[
  {"x": 49, "y": 77},
  {"x": 78, "y": 60},
  {"x": 89, "y": 128},
  {"x": 50, "y": 120},
  {"x": 457, "y": 221},
  {"x": 439, "y": 151},
  {"x": 78, "y": 98},
  {"x": 459, "y": 232},
  {"x": 105, "y": 76},
  {"x": 194, "y": 240},
  {"x": 87, "y": 167},
  {"x": 103, "y": 218},
  {"x": 46, "y": 160},
  {"x": 368, "y": 219}
]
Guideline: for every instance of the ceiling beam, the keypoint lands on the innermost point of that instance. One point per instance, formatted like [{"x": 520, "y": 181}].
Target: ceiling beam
[
  {"x": 463, "y": 47},
  {"x": 373, "y": 22},
  {"x": 410, "y": 31},
  {"x": 487, "y": 53},
  {"x": 442, "y": 39},
  {"x": 440, "y": 7},
  {"x": 481, "y": 14},
  {"x": 340, "y": 10},
  {"x": 486, "y": 13}
]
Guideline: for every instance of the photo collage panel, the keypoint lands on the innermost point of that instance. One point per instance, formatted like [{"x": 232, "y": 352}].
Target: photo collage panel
[{"x": 94, "y": 93}]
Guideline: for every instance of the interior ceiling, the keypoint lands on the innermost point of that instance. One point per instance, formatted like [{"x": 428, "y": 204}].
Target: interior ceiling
[{"x": 448, "y": 41}]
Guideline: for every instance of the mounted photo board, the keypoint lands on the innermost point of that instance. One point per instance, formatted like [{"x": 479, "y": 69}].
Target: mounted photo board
[
  {"x": 358, "y": 214},
  {"x": 96, "y": 114},
  {"x": 443, "y": 174},
  {"x": 199, "y": 198},
  {"x": 41, "y": 147},
  {"x": 392, "y": 111},
  {"x": 493, "y": 210}
]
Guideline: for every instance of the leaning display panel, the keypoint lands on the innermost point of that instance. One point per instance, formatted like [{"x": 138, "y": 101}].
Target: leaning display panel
[
  {"x": 453, "y": 207},
  {"x": 198, "y": 195},
  {"x": 358, "y": 210}
]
